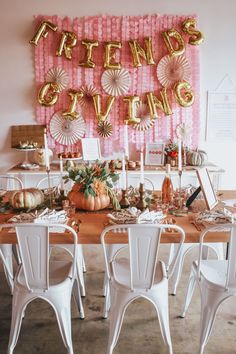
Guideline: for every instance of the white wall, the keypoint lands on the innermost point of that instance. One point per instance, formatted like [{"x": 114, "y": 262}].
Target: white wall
[{"x": 17, "y": 94}]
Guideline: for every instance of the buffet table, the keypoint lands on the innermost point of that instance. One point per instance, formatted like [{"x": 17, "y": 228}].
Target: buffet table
[
  {"x": 92, "y": 224},
  {"x": 153, "y": 174}
]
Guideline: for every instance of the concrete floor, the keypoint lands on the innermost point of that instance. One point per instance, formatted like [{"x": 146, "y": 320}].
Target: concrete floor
[{"x": 140, "y": 332}]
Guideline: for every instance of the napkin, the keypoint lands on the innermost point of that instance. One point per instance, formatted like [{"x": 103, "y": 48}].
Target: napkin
[
  {"x": 134, "y": 216},
  {"x": 52, "y": 216}
]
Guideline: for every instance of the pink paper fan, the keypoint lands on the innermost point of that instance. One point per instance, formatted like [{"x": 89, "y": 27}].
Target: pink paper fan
[
  {"x": 89, "y": 91},
  {"x": 170, "y": 70}
]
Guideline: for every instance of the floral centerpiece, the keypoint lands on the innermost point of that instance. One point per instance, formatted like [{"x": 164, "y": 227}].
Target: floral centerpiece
[
  {"x": 93, "y": 188},
  {"x": 171, "y": 151}
]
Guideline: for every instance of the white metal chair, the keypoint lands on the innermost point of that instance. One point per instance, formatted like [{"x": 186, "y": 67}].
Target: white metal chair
[
  {"x": 81, "y": 267},
  {"x": 40, "y": 277},
  {"x": 217, "y": 247},
  {"x": 54, "y": 182},
  {"x": 142, "y": 274},
  {"x": 216, "y": 280},
  {"x": 8, "y": 183}
]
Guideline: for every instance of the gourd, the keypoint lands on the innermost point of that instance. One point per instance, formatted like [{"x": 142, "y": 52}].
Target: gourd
[
  {"x": 26, "y": 198},
  {"x": 196, "y": 157},
  {"x": 88, "y": 203}
]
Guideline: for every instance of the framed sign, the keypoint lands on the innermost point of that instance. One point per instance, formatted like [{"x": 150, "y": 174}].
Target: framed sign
[
  {"x": 155, "y": 154},
  {"x": 207, "y": 188},
  {"x": 91, "y": 149}
]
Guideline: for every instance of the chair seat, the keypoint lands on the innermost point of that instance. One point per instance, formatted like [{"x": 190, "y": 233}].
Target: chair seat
[
  {"x": 121, "y": 272},
  {"x": 214, "y": 271},
  {"x": 59, "y": 271}
]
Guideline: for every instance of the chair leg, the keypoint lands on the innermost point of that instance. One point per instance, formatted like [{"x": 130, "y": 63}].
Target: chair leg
[
  {"x": 171, "y": 255},
  {"x": 6, "y": 254},
  {"x": 63, "y": 315},
  {"x": 105, "y": 284},
  {"x": 77, "y": 297},
  {"x": 119, "y": 302},
  {"x": 189, "y": 294},
  {"x": 80, "y": 276},
  {"x": 162, "y": 309},
  {"x": 107, "y": 302},
  {"x": 18, "y": 309},
  {"x": 177, "y": 274},
  {"x": 210, "y": 302},
  {"x": 81, "y": 256}
]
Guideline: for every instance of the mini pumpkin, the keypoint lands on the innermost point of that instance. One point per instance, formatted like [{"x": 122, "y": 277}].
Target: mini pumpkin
[
  {"x": 196, "y": 157},
  {"x": 88, "y": 203},
  {"x": 26, "y": 198}
]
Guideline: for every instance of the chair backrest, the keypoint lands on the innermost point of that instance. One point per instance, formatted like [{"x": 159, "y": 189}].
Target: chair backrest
[
  {"x": 53, "y": 180},
  {"x": 8, "y": 183},
  {"x": 231, "y": 269},
  {"x": 143, "y": 244},
  {"x": 33, "y": 241}
]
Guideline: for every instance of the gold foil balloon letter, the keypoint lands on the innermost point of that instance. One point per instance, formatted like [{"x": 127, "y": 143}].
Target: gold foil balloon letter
[
  {"x": 88, "y": 59},
  {"x": 102, "y": 116},
  {"x": 174, "y": 49},
  {"x": 42, "y": 31},
  {"x": 68, "y": 41},
  {"x": 133, "y": 103},
  {"x": 109, "y": 62},
  {"x": 189, "y": 27},
  {"x": 48, "y": 94},
  {"x": 184, "y": 94},
  {"x": 154, "y": 103},
  {"x": 138, "y": 51},
  {"x": 74, "y": 97}
]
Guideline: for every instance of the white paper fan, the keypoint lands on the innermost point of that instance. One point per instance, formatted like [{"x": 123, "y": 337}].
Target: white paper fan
[
  {"x": 66, "y": 131},
  {"x": 146, "y": 121},
  {"x": 59, "y": 76},
  {"x": 115, "y": 82},
  {"x": 170, "y": 70},
  {"x": 183, "y": 131}
]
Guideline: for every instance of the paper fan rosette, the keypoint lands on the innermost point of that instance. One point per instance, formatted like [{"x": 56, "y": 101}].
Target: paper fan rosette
[
  {"x": 146, "y": 121},
  {"x": 183, "y": 131},
  {"x": 65, "y": 131},
  {"x": 115, "y": 82},
  {"x": 171, "y": 70},
  {"x": 59, "y": 76},
  {"x": 88, "y": 92}
]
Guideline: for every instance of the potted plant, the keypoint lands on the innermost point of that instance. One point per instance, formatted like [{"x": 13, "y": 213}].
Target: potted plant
[{"x": 93, "y": 187}]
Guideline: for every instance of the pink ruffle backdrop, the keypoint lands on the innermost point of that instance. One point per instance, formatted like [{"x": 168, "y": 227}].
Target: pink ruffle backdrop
[{"x": 143, "y": 79}]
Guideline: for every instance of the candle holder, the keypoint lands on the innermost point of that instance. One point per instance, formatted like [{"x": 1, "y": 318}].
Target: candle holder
[
  {"x": 141, "y": 203},
  {"x": 124, "y": 203},
  {"x": 180, "y": 179},
  {"x": 49, "y": 188}
]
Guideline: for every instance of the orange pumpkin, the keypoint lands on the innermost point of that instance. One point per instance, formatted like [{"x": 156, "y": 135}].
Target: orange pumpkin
[
  {"x": 26, "y": 198},
  {"x": 91, "y": 203}
]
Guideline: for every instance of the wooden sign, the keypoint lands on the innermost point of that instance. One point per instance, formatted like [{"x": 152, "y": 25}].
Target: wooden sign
[{"x": 27, "y": 133}]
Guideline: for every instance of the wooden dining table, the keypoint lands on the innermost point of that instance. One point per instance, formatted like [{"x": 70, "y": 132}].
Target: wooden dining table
[{"x": 91, "y": 225}]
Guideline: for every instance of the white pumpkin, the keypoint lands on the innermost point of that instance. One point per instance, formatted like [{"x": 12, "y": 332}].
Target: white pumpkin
[
  {"x": 39, "y": 156},
  {"x": 26, "y": 198},
  {"x": 196, "y": 157}
]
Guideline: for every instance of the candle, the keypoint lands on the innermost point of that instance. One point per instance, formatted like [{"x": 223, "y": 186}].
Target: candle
[
  {"x": 179, "y": 155},
  {"x": 61, "y": 172},
  {"x": 126, "y": 141},
  {"x": 123, "y": 173},
  {"x": 46, "y": 151},
  {"x": 141, "y": 167}
]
